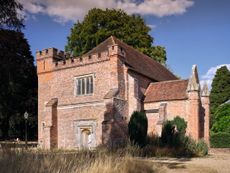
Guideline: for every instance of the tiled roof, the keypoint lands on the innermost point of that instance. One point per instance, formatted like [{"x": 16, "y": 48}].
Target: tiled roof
[
  {"x": 167, "y": 90},
  {"x": 137, "y": 61}
]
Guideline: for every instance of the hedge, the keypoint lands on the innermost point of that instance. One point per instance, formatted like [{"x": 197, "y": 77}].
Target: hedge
[{"x": 220, "y": 140}]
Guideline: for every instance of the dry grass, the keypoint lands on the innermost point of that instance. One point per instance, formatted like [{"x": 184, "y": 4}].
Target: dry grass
[
  {"x": 103, "y": 161},
  {"x": 22, "y": 161}
]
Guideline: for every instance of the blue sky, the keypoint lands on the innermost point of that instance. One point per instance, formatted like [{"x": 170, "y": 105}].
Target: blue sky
[{"x": 192, "y": 31}]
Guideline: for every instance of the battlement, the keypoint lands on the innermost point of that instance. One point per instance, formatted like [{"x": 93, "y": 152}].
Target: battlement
[
  {"x": 116, "y": 50},
  {"x": 52, "y": 59},
  {"x": 51, "y": 52},
  {"x": 82, "y": 60}
]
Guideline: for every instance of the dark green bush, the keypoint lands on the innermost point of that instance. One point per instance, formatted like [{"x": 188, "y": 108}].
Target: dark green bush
[
  {"x": 220, "y": 140},
  {"x": 173, "y": 132},
  {"x": 168, "y": 134},
  {"x": 181, "y": 124},
  {"x": 201, "y": 148},
  {"x": 173, "y": 136},
  {"x": 137, "y": 128}
]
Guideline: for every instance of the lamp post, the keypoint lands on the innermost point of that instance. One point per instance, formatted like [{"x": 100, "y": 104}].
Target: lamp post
[{"x": 26, "y": 118}]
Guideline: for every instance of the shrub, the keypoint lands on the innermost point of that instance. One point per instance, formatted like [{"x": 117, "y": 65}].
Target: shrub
[
  {"x": 220, "y": 140},
  {"x": 181, "y": 124},
  {"x": 167, "y": 134},
  {"x": 173, "y": 132},
  {"x": 173, "y": 136},
  {"x": 201, "y": 148},
  {"x": 195, "y": 148},
  {"x": 190, "y": 146},
  {"x": 153, "y": 139},
  {"x": 222, "y": 119},
  {"x": 137, "y": 128}
]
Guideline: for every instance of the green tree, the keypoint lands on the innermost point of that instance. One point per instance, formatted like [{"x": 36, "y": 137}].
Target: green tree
[
  {"x": 17, "y": 75},
  {"x": 138, "y": 126},
  {"x": 222, "y": 119},
  {"x": 9, "y": 16},
  {"x": 18, "y": 85},
  {"x": 220, "y": 92},
  {"x": 99, "y": 24}
]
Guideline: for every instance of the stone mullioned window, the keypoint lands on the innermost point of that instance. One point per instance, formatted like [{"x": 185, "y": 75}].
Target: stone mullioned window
[{"x": 84, "y": 85}]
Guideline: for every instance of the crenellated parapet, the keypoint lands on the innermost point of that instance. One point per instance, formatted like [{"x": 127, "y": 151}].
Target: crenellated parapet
[
  {"x": 52, "y": 59},
  {"x": 116, "y": 50},
  {"x": 50, "y": 52},
  {"x": 82, "y": 60}
]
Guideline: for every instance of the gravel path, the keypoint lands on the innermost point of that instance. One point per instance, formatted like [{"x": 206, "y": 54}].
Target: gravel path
[{"x": 218, "y": 161}]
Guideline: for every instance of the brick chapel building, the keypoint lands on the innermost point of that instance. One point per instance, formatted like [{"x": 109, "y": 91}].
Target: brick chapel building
[{"x": 87, "y": 101}]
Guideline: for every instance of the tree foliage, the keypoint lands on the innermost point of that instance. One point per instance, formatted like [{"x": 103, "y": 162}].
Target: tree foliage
[
  {"x": 222, "y": 119},
  {"x": 138, "y": 126},
  {"x": 9, "y": 15},
  {"x": 220, "y": 140},
  {"x": 99, "y": 24},
  {"x": 220, "y": 92},
  {"x": 18, "y": 85}
]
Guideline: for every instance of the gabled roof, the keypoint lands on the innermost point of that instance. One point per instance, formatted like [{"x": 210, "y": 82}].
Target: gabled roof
[
  {"x": 167, "y": 90},
  {"x": 137, "y": 61}
]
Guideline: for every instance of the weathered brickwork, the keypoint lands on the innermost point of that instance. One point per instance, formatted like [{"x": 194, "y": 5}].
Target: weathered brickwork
[
  {"x": 69, "y": 120},
  {"x": 193, "y": 106}
]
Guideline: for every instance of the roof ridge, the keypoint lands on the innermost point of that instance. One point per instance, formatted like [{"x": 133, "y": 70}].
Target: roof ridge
[
  {"x": 146, "y": 56},
  {"x": 169, "y": 81},
  {"x": 101, "y": 43},
  {"x": 150, "y": 67}
]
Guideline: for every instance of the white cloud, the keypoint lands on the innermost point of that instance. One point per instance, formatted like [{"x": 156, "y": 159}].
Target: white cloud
[
  {"x": 208, "y": 77},
  {"x": 152, "y": 26},
  {"x": 156, "y": 7},
  {"x": 73, "y": 10}
]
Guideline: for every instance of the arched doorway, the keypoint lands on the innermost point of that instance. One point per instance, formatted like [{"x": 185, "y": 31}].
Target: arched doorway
[
  {"x": 85, "y": 138},
  {"x": 85, "y": 134}
]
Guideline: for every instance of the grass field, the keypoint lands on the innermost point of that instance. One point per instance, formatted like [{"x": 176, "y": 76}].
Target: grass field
[
  {"x": 40, "y": 161},
  {"x": 22, "y": 161}
]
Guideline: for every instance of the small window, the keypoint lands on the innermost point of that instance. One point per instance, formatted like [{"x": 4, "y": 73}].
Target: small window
[{"x": 84, "y": 85}]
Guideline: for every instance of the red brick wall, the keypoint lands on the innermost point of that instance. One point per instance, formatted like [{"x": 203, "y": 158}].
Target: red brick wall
[
  {"x": 194, "y": 114},
  {"x": 57, "y": 81},
  {"x": 173, "y": 108},
  {"x": 189, "y": 109},
  {"x": 136, "y": 103},
  {"x": 206, "y": 104}
]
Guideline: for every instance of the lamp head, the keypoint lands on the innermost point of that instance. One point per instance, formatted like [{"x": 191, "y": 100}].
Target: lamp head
[{"x": 26, "y": 115}]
